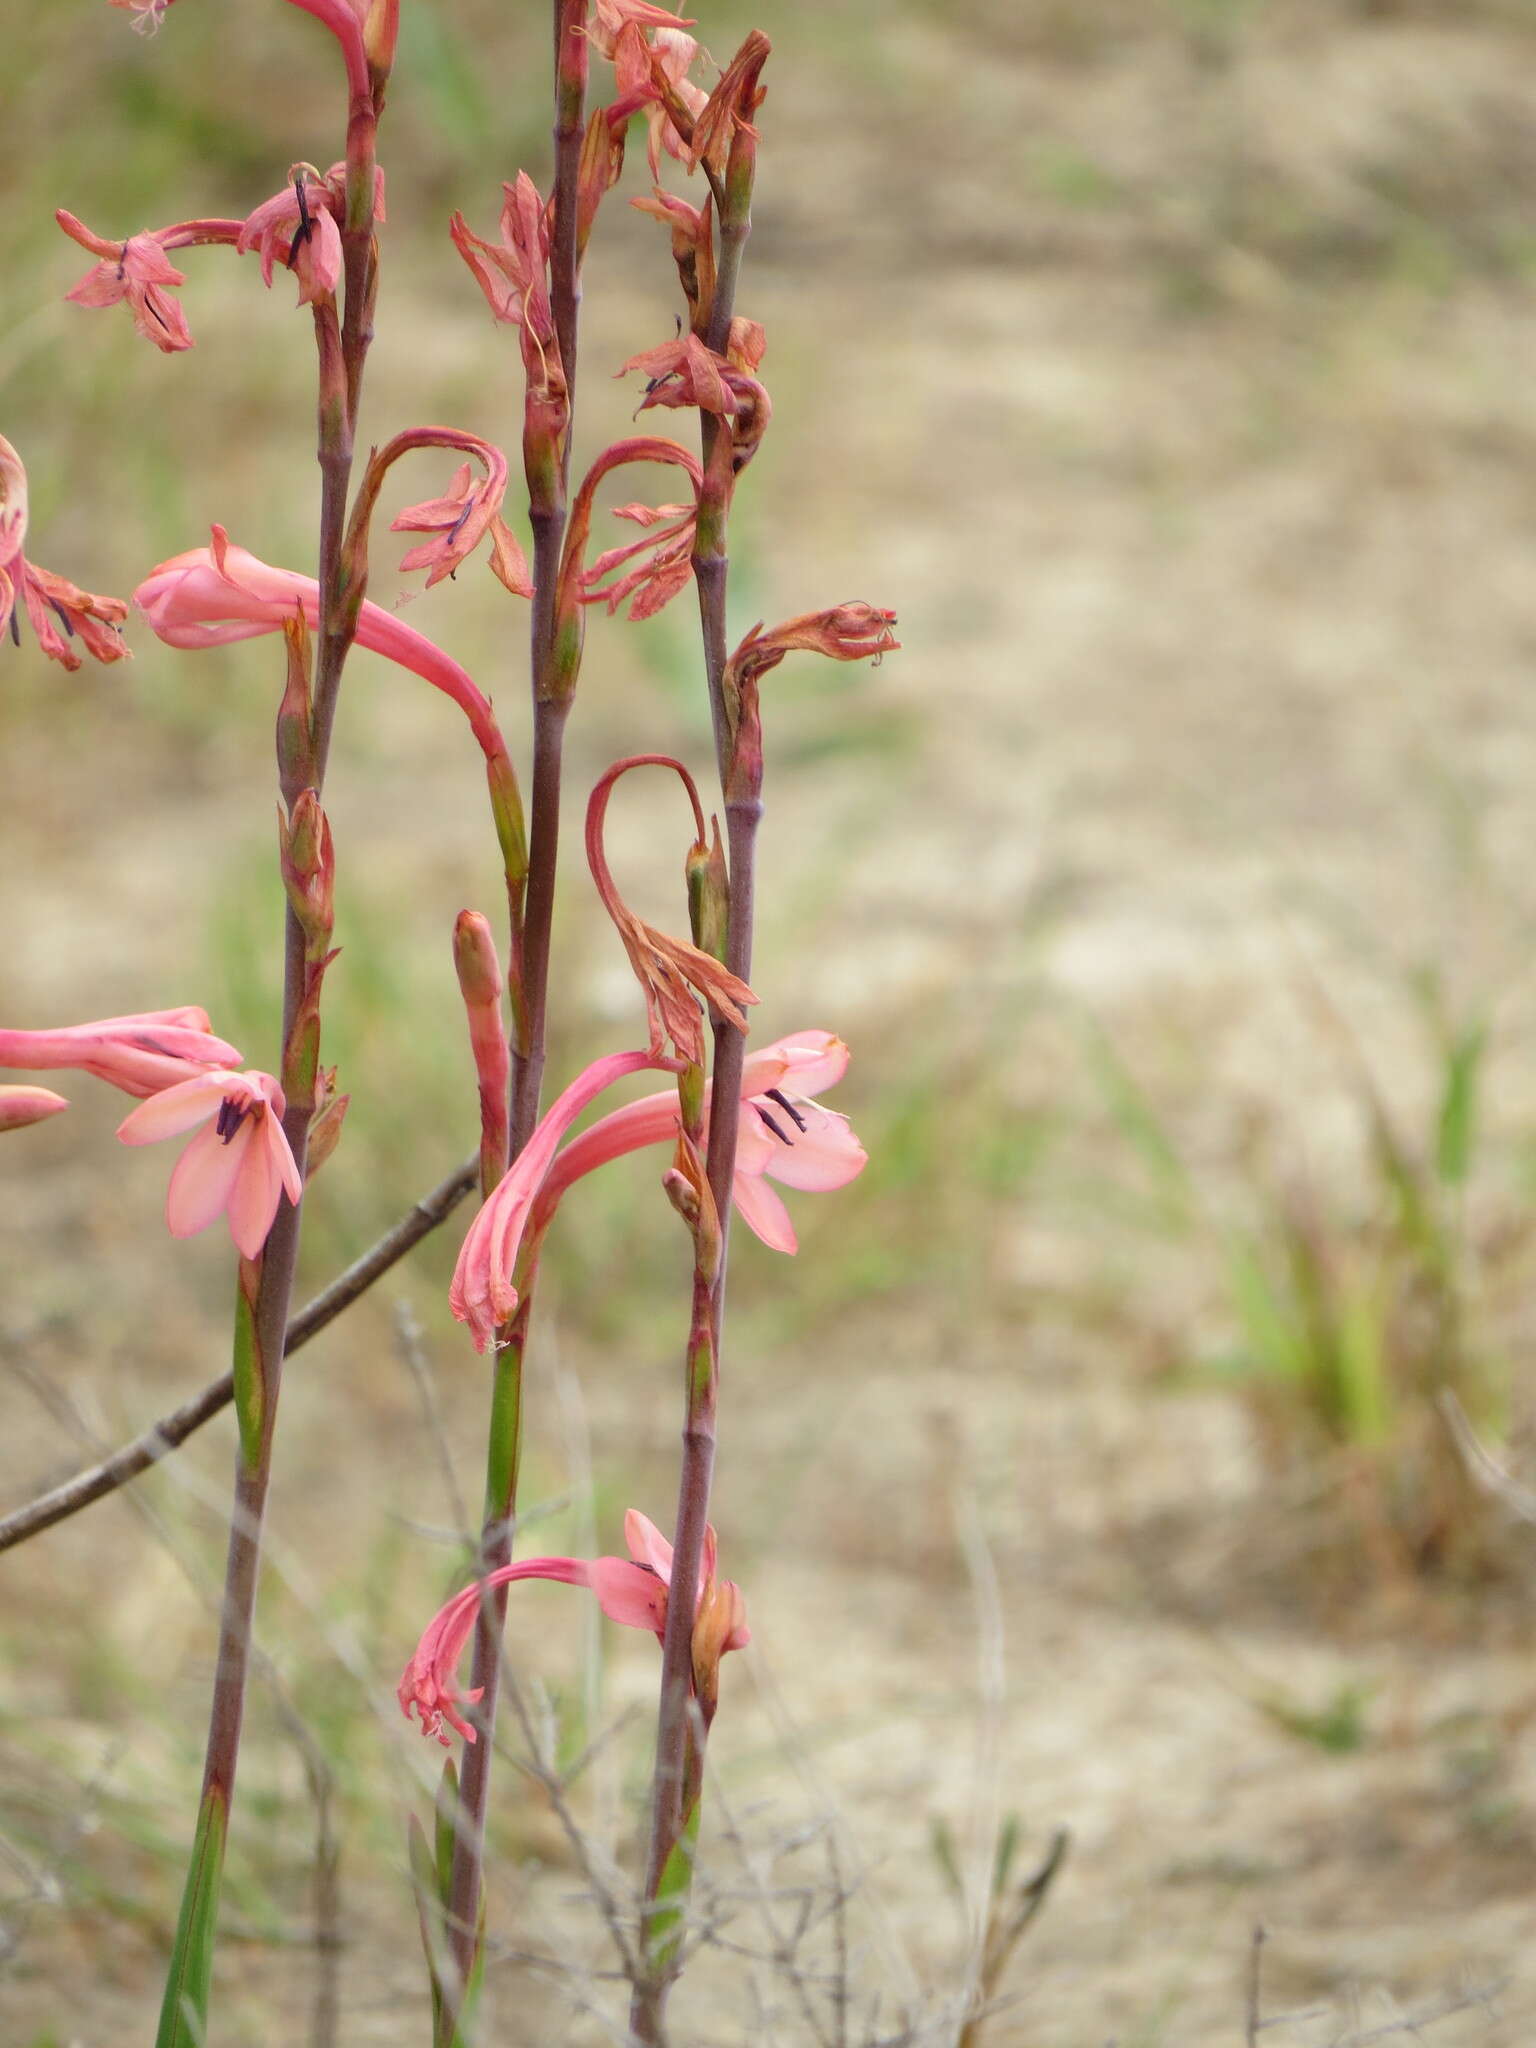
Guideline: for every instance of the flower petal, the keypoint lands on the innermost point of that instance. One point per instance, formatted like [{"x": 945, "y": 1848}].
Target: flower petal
[
  {"x": 628, "y": 1593},
  {"x": 178, "y": 1108},
  {"x": 203, "y": 1180},
  {"x": 823, "y": 1152},
  {"x": 763, "y": 1213},
  {"x": 257, "y": 1186},
  {"x": 647, "y": 1545}
]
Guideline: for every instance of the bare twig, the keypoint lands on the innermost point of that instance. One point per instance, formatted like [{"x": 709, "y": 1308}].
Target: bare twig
[{"x": 96, "y": 1481}]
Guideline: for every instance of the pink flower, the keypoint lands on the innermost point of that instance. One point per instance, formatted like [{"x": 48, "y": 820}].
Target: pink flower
[
  {"x": 239, "y": 1163},
  {"x": 663, "y": 561},
  {"x": 788, "y": 1138},
  {"x": 45, "y": 596},
  {"x": 217, "y": 594},
  {"x": 142, "y": 1054},
  {"x": 138, "y": 271},
  {"x": 297, "y": 228},
  {"x": 459, "y": 520},
  {"x": 630, "y": 1590},
  {"x": 482, "y": 1293},
  {"x": 22, "y": 1104}
]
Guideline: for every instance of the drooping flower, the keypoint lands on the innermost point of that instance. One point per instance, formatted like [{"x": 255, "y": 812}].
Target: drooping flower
[
  {"x": 459, "y": 521},
  {"x": 673, "y": 973},
  {"x": 46, "y": 597},
  {"x": 662, "y": 561},
  {"x": 142, "y": 1054},
  {"x": 139, "y": 272},
  {"x": 214, "y": 595},
  {"x": 788, "y": 1138},
  {"x": 239, "y": 1163},
  {"x": 844, "y": 632},
  {"x": 632, "y": 1591},
  {"x": 22, "y": 1104}
]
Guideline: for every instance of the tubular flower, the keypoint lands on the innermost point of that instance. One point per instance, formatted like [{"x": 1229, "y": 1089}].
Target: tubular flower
[
  {"x": 141, "y": 1054},
  {"x": 138, "y": 271},
  {"x": 45, "y": 596},
  {"x": 298, "y": 227},
  {"x": 21, "y": 1105},
  {"x": 483, "y": 1293},
  {"x": 221, "y": 593},
  {"x": 789, "y": 1139},
  {"x": 239, "y": 1163},
  {"x": 632, "y": 1591}
]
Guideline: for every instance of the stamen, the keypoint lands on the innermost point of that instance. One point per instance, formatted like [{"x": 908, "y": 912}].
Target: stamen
[
  {"x": 16, "y": 624},
  {"x": 777, "y": 1095},
  {"x": 777, "y": 1129},
  {"x": 232, "y": 1115},
  {"x": 304, "y": 233},
  {"x": 63, "y": 616}
]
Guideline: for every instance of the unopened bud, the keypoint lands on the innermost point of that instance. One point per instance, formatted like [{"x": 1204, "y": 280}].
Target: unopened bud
[
  {"x": 295, "y": 738},
  {"x": 325, "y": 1127},
  {"x": 480, "y": 982},
  {"x": 22, "y": 1104},
  {"x": 682, "y": 1194},
  {"x": 309, "y": 868},
  {"x": 709, "y": 893},
  {"x": 475, "y": 961},
  {"x": 381, "y": 26}
]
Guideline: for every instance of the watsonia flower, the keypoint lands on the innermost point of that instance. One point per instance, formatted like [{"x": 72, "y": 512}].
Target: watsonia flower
[{"x": 630, "y": 1590}]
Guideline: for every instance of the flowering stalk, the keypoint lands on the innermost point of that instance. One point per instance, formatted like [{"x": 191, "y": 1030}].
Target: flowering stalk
[
  {"x": 680, "y": 1729},
  {"x": 550, "y": 364},
  {"x": 266, "y": 1282}
]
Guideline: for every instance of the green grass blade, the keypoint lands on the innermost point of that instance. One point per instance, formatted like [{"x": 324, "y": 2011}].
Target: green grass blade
[{"x": 184, "y": 2013}]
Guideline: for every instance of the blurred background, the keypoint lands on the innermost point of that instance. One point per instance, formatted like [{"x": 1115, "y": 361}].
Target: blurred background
[{"x": 1165, "y": 365}]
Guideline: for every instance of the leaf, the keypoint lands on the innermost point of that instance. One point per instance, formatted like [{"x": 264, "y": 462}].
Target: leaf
[{"x": 184, "y": 2012}]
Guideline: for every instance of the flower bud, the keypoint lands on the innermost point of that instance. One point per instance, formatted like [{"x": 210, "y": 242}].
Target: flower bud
[{"x": 21, "y": 1104}]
